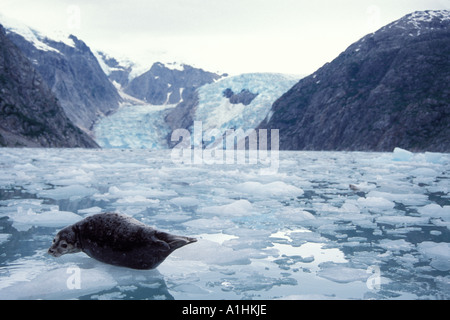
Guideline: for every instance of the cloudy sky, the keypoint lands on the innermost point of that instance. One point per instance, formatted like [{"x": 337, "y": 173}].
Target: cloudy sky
[{"x": 234, "y": 36}]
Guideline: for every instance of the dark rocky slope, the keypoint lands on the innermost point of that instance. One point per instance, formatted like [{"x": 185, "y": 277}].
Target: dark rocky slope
[
  {"x": 390, "y": 89},
  {"x": 163, "y": 85},
  {"x": 74, "y": 75},
  {"x": 30, "y": 115}
]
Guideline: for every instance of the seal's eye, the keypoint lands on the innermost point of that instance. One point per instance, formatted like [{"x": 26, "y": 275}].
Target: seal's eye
[{"x": 64, "y": 245}]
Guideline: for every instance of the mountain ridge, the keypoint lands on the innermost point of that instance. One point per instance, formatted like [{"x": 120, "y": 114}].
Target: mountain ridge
[
  {"x": 30, "y": 115},
  {"x": 384, "y": 91},
  {"x": 162, "y": 84},
  {"x": 71, "y": 71}
]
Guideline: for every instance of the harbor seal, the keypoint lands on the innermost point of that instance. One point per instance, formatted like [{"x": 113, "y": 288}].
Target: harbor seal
[{"x": 118, "y": 240}]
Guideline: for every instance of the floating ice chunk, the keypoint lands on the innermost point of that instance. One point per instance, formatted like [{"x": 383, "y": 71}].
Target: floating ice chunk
[
  {"x": 277, "y": 188},
  {"x": 407, "y": 260},
  {"x": 341, "y": 273},
  {"x": 292, "y": 214},
  {"x": 70, "y": 176},
  {"x": 56, "y": 284},
  {"x": 27, "y": 166},
  {"x": 90, "y": 211},
  {"x": 137, "y": 200},
  {"x": 350, "y": 207},
  {"x": 437, "y": 158},
  {"x": 189, "y": 288},
  {"x": 68, "y": 192},
  {"x": 220, "y": 238},
  {"x": 439, "y": 186},
  {"x": 12, "y": 205},
  {"x": 399, "y": 220},
  {"x": 209, "y": 225},
  {"x": 4, "y": 237},
  {"x": 138, "y": 190},
  {"x": 376, "y": 203},
  {"x": 256, "y": 281},
  {"x": 92, "y": 166},
  {"x": 24, "y": 220},
  {"x": 363, "y": 186},
  {"x": 167, "y": 216},
  {"x": 443, "y": 283},
  {"x": 423, "y": 172},
  {"x": 402, "y": 155},
  {"x": 439, "y": 253},
  {"x": 236, "y": 208},
  {"x": 306, "y": 236},
  {"x": 435, "y": 211},
  {"x": 213, "y": 253},
  {"x": 185, "y": 201},
  {"x": 409, "y": 199},
  {"x": 396, "y": 246},
  {"x": 318, "y": 251}
]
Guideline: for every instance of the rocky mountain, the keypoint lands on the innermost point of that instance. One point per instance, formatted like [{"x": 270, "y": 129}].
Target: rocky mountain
[
  {"x": 168, "y": 84},
  {"x": 72, "y": 72},
  {"x": 390, "y": 89},
  {"x": 30, "y": 115},
  {"x": 117, "y": 71}
]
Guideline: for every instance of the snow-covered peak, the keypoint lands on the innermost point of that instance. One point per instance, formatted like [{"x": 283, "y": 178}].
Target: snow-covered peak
[
  {"x": 429, "y": 15},
  {"x": 34, "y": 36},
  {"x": 422, "y": 20},
  {"x": 175, "y": 66},
  {"x": 31, "y": 35},
  {"x": 411, "y": 25},
  {"x": 427, "y": 19},
  {"x": 118, "y": 62},
  {"x": 110, "y": 63}
]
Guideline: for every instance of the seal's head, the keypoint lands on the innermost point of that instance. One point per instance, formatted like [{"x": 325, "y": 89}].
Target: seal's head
[{"x": 66, "y": 241}]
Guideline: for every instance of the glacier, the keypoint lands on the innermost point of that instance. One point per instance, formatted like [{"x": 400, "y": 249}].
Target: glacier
[
  {"x": 142, "y": 126},
  {"x": 215, "y": 110},
  {"x": 134, "y": 127},
  {"x": 326, "y": 225}
]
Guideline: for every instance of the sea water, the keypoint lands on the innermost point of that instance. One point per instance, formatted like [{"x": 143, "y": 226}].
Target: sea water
[{"x": 325, "y": 225}]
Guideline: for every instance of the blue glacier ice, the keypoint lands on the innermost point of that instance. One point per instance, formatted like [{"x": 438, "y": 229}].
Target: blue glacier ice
[
  {"x": 215, "y": 111},
  {"x": 135, "y": 127},
  {"x": 144, "y": 127}
]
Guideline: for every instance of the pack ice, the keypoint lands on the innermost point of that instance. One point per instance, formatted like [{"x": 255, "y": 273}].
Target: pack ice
[{"x": 326, "y": 225}]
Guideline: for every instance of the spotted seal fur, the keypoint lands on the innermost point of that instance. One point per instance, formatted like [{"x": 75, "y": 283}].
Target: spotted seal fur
[{"x": 119, "y": 240}]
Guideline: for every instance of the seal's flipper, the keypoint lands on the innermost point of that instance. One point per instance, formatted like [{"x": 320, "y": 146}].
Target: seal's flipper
[
  {"x": 179, "y": 242},
  {"x": 174, "y": 241}
]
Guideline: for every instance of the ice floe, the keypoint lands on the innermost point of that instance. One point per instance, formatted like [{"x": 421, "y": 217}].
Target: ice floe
[
  {"x": 318, "y": 227},
  {"x": 439, "y": 253}
]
